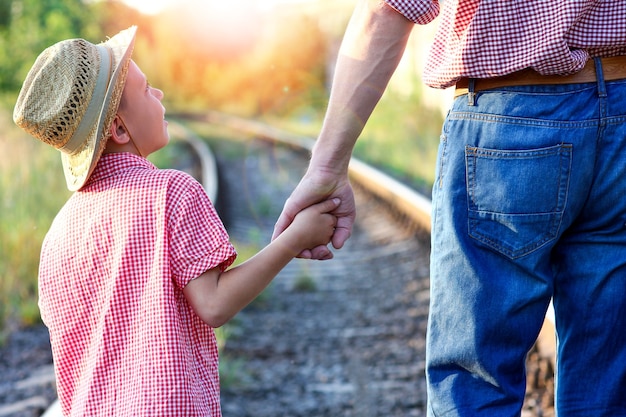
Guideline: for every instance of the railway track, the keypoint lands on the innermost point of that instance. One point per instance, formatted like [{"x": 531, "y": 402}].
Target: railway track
[
  {"x": 344, "y": 337},
  {"x": 354, "y": 345}
]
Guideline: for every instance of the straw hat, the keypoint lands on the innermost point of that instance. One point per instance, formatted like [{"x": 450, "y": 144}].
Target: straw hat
[{"x": 70, "y": 97}]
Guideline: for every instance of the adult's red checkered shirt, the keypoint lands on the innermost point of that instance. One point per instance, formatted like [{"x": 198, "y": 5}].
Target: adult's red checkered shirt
[{"x": 489, "y": 38}]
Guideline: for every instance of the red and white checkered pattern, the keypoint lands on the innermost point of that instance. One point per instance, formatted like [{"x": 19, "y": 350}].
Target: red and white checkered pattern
[
  {"x": 113, "y": 265},
  {"x": 489, "y": 38}
]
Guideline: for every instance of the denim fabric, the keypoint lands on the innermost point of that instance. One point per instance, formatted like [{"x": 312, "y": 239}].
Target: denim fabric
[{"x": 529, "y": 204}]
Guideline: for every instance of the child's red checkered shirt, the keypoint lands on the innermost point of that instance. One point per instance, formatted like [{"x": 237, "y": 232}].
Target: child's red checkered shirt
[{"x": 113, "y": 265}]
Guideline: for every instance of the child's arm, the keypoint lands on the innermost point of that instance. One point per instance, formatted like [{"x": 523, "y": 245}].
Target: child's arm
[{"x": 217, "y": 296}]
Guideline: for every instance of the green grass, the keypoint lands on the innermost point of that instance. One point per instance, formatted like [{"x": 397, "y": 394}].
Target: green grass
[
  {"x": 32, "y": 190},
  {"x": 305, "y": 283},
  {"x": 402, "y": 139}
]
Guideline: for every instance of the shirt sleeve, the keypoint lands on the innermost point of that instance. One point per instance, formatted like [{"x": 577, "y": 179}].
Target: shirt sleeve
[
  {"x": 417, "y": 11},
  {"x": 197, "y": 238}
]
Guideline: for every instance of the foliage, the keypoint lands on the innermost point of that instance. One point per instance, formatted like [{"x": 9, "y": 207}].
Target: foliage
[
  {"x": 27, "y": 27},
  {"x": 402, "y": 142},
  {"x": 33, "y": 190},
  {"x": 231, "y": 369},
  {"x": 305, "y": 283},
  {"x": 187, "y": 54},
  {"x": 265, "y": 73}
]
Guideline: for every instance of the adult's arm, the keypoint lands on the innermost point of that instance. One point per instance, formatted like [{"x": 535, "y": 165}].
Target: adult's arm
[{"x": 372, "y": 47}]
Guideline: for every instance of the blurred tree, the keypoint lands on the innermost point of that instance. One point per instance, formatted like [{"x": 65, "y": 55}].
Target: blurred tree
[
  {"x": 114, "y": 16},
  {"x": 246, "y": 62},
  {"x": 271, "y": 65},
  {"x": 27, "y": 27},
  {"x": 5, "y": 13},
  {"x": 292, "y": 66}
]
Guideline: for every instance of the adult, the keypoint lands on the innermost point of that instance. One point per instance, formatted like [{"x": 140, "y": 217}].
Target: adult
[{"x": 528, "y": 199}]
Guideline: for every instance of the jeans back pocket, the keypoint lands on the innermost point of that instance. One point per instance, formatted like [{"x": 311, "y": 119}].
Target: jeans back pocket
[{"x": 516, "y": 198}]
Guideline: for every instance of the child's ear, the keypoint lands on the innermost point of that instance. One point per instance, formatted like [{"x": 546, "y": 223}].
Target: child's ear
[{"x": 119, "y": 134}]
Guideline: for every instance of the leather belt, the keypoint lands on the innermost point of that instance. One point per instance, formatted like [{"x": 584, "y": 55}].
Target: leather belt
[{"x": 613, "y": 68}]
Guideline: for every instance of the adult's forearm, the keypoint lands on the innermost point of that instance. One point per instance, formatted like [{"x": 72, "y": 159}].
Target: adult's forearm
[{"x": 372, "y": 47}]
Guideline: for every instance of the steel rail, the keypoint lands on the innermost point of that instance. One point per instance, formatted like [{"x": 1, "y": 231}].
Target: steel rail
[
  {"x": 407, "y": 202},
  {"x": 403, "y": 199}
]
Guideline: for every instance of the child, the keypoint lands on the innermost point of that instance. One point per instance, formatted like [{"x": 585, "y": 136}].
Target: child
[{"x": 133, "y": 272}]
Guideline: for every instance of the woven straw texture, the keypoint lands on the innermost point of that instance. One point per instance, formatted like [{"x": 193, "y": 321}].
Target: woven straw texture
[{"x": 57, "y": 92}]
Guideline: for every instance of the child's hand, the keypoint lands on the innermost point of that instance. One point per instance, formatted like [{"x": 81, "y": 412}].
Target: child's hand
[{"x": 314, "y": 226}]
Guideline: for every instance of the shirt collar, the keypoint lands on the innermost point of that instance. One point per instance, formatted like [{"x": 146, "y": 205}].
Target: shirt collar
[{"x": 113, "y": 164}]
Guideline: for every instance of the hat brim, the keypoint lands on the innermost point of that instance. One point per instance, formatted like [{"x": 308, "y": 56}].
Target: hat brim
[{"x": 78, "y": 165}]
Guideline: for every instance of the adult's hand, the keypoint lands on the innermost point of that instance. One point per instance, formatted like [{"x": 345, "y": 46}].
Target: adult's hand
[{"x": 313, "y": 188}]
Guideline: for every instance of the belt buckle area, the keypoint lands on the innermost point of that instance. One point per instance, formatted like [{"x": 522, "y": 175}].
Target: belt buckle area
[{"x": 613, "y": 68}]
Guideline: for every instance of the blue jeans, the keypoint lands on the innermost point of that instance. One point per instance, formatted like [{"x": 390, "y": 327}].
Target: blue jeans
[{"x": 529, "y": 204}]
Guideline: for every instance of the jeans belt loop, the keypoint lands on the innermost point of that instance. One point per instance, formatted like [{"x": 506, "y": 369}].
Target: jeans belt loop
[
  {"x": 600, "y": 77},
  {"x": 471, "y": 93}
]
